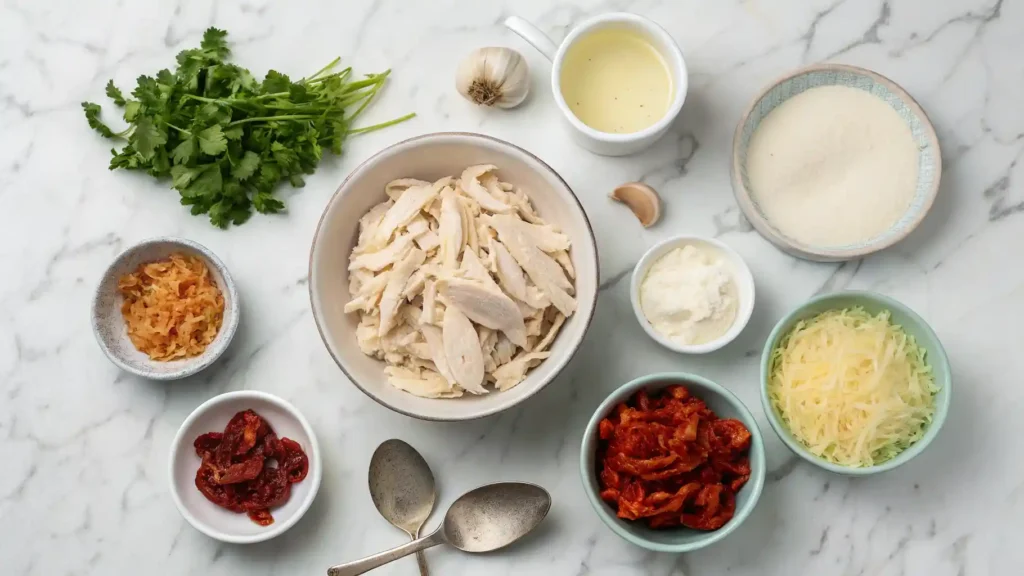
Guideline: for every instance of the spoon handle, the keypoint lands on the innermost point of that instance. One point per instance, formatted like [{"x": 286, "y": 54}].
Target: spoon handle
[
  {"x": 378, "y": 560},
  {"x": 421, "y": 561}
]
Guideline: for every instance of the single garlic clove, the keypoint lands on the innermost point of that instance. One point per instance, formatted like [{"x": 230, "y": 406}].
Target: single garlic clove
[
  {"x": 494, "y": 76},
  {"x": 641, "y": 199}
]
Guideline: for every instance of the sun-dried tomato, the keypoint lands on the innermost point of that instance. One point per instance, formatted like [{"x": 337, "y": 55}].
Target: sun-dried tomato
[
  {"x": 668, "y": 460},
  {"x": 295, "y": 463},
  {"x": 235, "y": 473}
]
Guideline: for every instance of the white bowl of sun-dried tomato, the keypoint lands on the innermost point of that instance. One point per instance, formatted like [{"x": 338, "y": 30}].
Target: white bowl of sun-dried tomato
[{"x": 245, "y": 467}]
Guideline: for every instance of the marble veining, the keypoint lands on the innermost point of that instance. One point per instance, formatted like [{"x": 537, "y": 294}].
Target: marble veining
[{"x": 84, "y": 447}]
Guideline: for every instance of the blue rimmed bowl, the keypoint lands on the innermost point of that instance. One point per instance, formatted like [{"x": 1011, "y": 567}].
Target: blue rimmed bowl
[
  {"x": 929, "y": 157},
  {"x": 725, "y": 404},
  {"x": 902, "y": 316}
]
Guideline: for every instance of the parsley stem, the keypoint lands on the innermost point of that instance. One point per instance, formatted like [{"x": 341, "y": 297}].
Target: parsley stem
[
  {"x": 272, "y": 118},
  {"x": 322, "y": 70},
  {"x": 182, "y": 130},
  {"x": 375, "y": 127}
]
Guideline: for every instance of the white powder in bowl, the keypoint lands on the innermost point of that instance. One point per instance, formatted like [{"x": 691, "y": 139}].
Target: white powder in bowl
[
  {"x": 832, "y": 166},
  {"x": 689, "y": 295}
]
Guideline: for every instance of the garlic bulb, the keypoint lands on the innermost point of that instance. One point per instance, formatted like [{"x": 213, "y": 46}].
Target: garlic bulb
[{"x": 494, "y": 77}]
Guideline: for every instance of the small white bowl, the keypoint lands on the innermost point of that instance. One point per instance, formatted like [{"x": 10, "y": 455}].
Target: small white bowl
[
  {"x": 212, "y": 416},
  {"x": 741, "y": 276},
  {"x": 109, "y": 326},
  {"x": 430, "y": 157}
]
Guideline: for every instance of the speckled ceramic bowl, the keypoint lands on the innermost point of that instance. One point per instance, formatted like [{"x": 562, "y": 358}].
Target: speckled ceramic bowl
[
  {"x": 929, "y": 158},
  {"x": 109, "y": 325},
  {"x": 911, "y": 323},
  {"x": 726, "y": 405}
]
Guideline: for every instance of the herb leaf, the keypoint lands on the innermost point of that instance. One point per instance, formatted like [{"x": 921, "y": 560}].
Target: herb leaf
[
  {"x": 226, "y": 140},
  {"x": 115, "y": 94}
]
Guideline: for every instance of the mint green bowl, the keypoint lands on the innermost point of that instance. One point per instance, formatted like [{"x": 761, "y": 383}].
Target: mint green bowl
[
  {"x": 901, "y": 315},
  {"x": 726, "y": 405}
]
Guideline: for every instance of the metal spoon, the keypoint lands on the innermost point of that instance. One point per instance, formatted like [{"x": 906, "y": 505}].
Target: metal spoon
[
  {"x": 482, "y": 520},
  {"x": 402, "y": 489}
]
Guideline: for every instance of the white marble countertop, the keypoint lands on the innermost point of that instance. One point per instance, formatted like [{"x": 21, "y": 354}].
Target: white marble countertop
[{"x": 84, "y": 447}]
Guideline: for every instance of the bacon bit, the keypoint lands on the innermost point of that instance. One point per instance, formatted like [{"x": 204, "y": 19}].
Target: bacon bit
[
  {"x": 235, "y": 473},
  {"x": 172, "y": 307},
  {"x": 670, "y": 461}
]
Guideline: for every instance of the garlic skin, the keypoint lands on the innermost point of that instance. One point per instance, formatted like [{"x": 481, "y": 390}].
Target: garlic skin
[{"x": 494, "y": 76}]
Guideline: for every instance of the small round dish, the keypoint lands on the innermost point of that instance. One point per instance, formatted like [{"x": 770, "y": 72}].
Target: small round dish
[
  {"x": 212, "y": 416},
  {"x": 929, "y": 159},
  {"x": 109, "y": 326},
  {"x": 726, "y": 405},
  {"x": 741, "y": 276},
  {"x": 903, "y": 316}
]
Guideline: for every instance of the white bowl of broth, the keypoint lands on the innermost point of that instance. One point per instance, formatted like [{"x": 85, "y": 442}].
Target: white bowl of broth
[{"x": 619, "y": 79}]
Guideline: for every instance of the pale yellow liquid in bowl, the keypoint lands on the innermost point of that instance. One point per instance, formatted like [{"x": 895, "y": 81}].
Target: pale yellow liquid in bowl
[{"x": 615, "y": 81}]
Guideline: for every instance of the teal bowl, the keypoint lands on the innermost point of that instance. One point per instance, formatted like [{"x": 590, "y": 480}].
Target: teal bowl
[
  {"x": 726, "y": 405},
  {"x": 900, "y": 315}
]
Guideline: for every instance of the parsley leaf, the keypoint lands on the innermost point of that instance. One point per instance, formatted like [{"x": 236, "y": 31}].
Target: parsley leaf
[
  {"x": 226, "y": 140},
  {"x": 212, "y": 141},
  {"x": 92, "y": 114},
  {"x": 115, "y": 94},
  {"x": 246, "y": 166}
]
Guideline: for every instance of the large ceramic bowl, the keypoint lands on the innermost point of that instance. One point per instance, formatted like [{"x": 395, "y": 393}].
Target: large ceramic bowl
[
  {"x": 901, "y": 315},
  {"x": 929, "y": 157},
  {"x": 430, "y": 157},
  {"x": 726, "y": 405}
]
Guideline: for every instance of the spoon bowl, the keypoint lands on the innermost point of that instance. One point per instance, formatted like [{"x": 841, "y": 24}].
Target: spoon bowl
[
  {"x": 485, "y": 519},
  {"x": 494, "y": 516},
  {"x": 402, "y": 489}
]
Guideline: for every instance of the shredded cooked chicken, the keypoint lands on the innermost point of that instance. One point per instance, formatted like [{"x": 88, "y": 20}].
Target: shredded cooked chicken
[
  {"x": 173, "y": 308},
  {"x": 460, "y": 286}
]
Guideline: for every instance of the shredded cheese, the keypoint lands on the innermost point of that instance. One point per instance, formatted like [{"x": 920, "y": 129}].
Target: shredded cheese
[
  {"x": 854, "y": 388},
  {"x": 173, "y": 307}
]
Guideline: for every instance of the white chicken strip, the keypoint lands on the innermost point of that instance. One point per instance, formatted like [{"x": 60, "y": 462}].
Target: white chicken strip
[
  {"x": 562, "y": 257},
  {"x": 404, "y": 210},
  {"x": 415, "y": 284},
  {"x": 556, "y": 325},
  {"x": 475, "y": 269},
  {"x": 509, "y": 273},
  {"x": 509, "y": 375},
  {"x": 462, "y": 351},
  {"x": 369, "y": 293},
  {"x": 429, "y": 295},
  {"x": 396, "y": 188},
  {"x": 485, "y": 306},
  {"x": 392, "y": 296},
  {"x": 368, "y": 224},
  {"x": 470, "y": 182},
  {"x": 525, "y": 251},
  {"x": 544, "y": 237},
  {"x": 426, "y": 384},
  {"x": 428, "y": 241},
  {"x": 450, "y": 229},
  {"x": 435, "y": 343},
  {"x": 382, "y": 258},
  {"x": 542, "y": 269},
  {"x": 490, "y": 182}
]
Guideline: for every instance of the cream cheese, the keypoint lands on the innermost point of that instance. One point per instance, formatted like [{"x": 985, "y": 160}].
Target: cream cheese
[{"x": 689, "y": 295}]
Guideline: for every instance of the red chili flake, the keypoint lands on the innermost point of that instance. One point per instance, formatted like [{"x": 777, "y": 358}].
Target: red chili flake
[
  {"x": 670, "y": 461},
  {"x": 236, "y": 471}
]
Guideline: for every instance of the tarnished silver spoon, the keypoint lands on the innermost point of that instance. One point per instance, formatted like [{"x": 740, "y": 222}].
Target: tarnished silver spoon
[
  {"x": 402, "y": 489},
  {"x": 482, "y": 520}
]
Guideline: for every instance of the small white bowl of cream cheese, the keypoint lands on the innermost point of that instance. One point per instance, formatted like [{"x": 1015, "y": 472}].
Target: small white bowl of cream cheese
[{"x": 692, "y": 295}]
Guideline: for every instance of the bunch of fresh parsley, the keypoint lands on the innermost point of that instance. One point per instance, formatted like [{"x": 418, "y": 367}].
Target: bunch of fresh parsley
[{"x": 227, "y": 140}]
